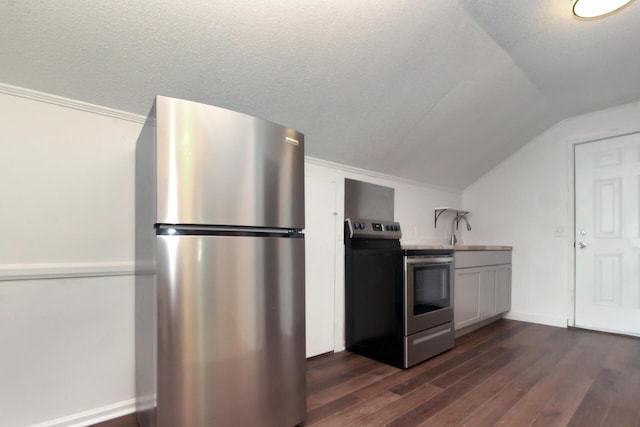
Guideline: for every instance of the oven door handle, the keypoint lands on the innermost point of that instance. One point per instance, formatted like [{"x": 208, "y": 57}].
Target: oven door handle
[{"x": 440, "y": 260}]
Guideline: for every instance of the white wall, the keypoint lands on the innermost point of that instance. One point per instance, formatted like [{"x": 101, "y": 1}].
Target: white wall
[
  {"x": 67, "y": 255},
  {"x": 66, "y": 262},
  {"x": 527, "y": 202},
  {"x": 67, "y": 350}
]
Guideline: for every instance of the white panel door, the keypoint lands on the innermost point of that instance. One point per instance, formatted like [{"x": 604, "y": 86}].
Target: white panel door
[
  {"x": 320, "y": 235},
  {"x": 607, "y": 174}
]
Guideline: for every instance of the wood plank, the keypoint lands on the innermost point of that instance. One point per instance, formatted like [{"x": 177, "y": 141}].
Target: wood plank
[
  {"x": 563, "y": 405},
  {"x": 502, "y": 362},
  {"x": 335, "y": 367},
  {"x": 394, "y": 410},
  {"x": 467, "y": 368},
  {"x": 332, "y": 407},
  {"x": 340, "y": 373},
  {"x": 595, "y": 404},
  {"x": 318, "y": 362},
  {"x": 514, "y": 333},
  {"x": 359, "y": 410},
  {"x": 499, "y": 404},
  {"x": 576, "y": 366},
  {"x": 624, "y": 353},
  {"x": 435, "y": 371},
  {"x": 493, "y": 379},
  {"x": 624, "y": 406},
  {"x": 507, "y": 373},
  {"x": 432, "y": 406},
  {"x": 490, "y": 331},
  {"x": 392, "y": 380},
  {"x": 352, "y": 384}
]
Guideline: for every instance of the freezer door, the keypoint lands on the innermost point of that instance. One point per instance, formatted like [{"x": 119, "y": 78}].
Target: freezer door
[
  {"x": 219, "y": 167},
  {"x": 231, "y": 333}
]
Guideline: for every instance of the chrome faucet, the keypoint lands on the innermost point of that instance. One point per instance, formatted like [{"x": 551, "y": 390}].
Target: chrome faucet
[
  {"x": 454, "y": 226},
  {"x": 464, "y": 217}
]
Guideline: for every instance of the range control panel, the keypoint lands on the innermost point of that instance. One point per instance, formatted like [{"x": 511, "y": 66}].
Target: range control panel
[{"x": 365, "y": 228}]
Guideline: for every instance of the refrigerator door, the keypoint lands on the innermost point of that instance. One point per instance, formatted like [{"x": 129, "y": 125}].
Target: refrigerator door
[
  {"x": 221, "y": 167},
  {"x": 231, "y": 343}
]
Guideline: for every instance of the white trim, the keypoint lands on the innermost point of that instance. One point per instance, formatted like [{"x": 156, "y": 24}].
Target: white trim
[
  {"x": 560, "y": 322},
  {"x": 92, "y": 416},
  {"x": 600, "y": 136},
  {"x": 571, "y": 230},
  {"x": 609, "y": 331},
  {"x": 70, "y": 103},
  {"x": 378, "y": 175},
  {"x": 65, "y": 270}
]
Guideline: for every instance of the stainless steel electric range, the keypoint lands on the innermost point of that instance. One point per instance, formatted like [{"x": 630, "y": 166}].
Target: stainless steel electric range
[{"x": 398, "y": 303}]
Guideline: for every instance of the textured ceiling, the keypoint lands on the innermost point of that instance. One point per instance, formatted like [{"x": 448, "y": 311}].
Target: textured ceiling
[{"x": 437, "y": 91}]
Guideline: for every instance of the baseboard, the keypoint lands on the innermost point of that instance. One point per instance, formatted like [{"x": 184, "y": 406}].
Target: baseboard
[
  {"x": 560, "y": 322},
  {"x": 93, "y": 416}
]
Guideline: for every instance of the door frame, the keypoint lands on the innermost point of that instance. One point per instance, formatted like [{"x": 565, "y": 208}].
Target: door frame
[{"x": 571, "y": 226}]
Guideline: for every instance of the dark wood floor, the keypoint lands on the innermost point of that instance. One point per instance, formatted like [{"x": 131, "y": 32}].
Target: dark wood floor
[{"x": 508, "y": 373}]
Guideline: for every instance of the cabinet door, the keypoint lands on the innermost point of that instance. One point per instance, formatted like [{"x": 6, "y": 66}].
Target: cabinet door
[
  {"x": 503, "y": 288},
  {"x": 320, "y": 237},
  {"x": 487, "y": 292},
  {"x": 466, "y": 302}
]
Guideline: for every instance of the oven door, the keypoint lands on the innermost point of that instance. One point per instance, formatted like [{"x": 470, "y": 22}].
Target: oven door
[{"x": 428, "y": 292}]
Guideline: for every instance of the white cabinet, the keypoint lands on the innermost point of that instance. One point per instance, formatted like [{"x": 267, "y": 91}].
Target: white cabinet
[
  {"x": 482, "y": 286},
  {"x": 320, "y": 246},
  {"x": 503, "y": 288},
  {"x": 487, "y": 293}
]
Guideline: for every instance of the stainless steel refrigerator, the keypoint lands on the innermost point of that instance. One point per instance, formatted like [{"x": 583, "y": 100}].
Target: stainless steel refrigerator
[{"x": 220, "y": 333}]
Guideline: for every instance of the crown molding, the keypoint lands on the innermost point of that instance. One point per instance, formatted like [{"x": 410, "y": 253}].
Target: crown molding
[{"x": 69, "y": 103}]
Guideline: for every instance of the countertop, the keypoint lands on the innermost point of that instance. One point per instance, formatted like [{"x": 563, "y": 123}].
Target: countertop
[{"x": 461, "y": 247}]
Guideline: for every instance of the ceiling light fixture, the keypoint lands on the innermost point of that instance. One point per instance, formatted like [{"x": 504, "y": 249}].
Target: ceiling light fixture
[{"x": 597, "y": 8}]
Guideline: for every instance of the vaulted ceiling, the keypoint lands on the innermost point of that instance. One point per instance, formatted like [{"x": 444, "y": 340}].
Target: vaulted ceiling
[{"x": 437, "y": 91}]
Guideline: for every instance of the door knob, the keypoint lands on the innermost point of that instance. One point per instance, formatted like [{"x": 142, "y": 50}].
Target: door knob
[{"x": 582, "y": 245}]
